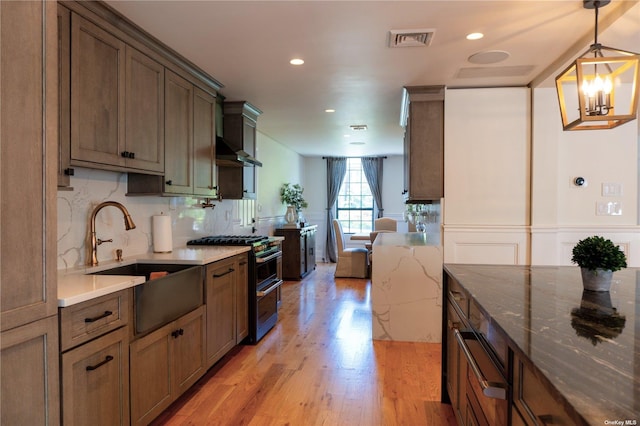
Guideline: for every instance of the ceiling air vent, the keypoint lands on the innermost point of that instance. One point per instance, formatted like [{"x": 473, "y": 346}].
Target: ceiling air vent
[{"x": 410, "y": 38}]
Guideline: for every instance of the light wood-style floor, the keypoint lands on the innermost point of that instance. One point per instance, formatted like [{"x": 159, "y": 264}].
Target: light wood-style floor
[{"x": 319, "y": 366}]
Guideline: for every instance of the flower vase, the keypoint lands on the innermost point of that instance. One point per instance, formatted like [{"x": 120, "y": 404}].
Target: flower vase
[
  {"x": 291, "y": 217},
  {"x": 598, "y": 280}
]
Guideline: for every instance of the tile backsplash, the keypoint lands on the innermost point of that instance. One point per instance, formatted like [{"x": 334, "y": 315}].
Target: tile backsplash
[{"x": 188, "y": 218}]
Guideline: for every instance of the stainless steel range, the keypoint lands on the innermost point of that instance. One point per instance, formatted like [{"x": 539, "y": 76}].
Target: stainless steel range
[{"x": 265, "y": 278}]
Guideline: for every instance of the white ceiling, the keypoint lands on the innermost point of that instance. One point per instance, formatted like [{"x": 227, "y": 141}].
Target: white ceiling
[{"x": 247, "y": 45}]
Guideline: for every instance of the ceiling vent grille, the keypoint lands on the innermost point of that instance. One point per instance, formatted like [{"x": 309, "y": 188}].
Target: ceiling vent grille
[{"x": 410, "y": 38}]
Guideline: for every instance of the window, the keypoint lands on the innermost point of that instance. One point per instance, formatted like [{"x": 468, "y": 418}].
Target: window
[{"x": 355, "y": 202}]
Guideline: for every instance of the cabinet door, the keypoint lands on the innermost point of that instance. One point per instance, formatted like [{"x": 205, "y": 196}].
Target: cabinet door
[
  {"x": 97, "y": 94},
  {"x": 311, "y": 250},
  {"x": 151, "y": 379},
  {"x": 144, "y": 128},
  {"x": 187, "y": 346},
  {"x": 302, "y": 249},
  {"x": 426, "y": 158},
  {"x": 242, "y": 298},
  {"x": 178, "y": 132},
  {"x": 204, "y": 142},
  {"x": 64, "y": 97},
  {"x": 28, "y": 125},
  {"x": 249, "y": 173},
  {"x": 221, "y": 326},
  {"x": 95, "y": 381},
  {"x": 29, "y": 372}
]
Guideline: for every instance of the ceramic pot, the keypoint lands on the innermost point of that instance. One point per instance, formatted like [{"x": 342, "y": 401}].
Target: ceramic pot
[{"x": 598, "y": 280}]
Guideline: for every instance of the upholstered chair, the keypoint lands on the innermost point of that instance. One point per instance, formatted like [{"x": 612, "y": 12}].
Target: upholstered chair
[
  {"x": 385, "y": 224},
  {"x": 352, "y": 262}
]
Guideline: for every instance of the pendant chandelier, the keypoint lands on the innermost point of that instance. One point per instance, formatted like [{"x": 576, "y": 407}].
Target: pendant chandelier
[{"x": 600, "y": 89}]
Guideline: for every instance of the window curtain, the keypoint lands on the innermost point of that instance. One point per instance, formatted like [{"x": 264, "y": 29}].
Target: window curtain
[
  {"x": 336, "y": 170},
  {"x": 372, "y": 167}
]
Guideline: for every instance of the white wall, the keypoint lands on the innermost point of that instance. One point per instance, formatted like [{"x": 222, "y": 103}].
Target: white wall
[
  {"x": 563, "y": 213},
  {"x": 486, "y": 185},
  {"x": 509, "y": 192}
]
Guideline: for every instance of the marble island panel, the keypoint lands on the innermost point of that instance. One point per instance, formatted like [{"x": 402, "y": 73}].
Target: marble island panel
[
  {"x": 406, "y": 287},
  {"x": 586, "y": 344}
]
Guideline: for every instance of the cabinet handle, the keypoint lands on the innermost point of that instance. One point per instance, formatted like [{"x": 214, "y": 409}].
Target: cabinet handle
[
  {"x": 456, "y": 295},
  {"x": 490, "y": 389},
  {"x": 176, "y": 333},
  {"x": 546, "y": 419},
  {"x": 124, "y": 154},
  {"x": 169, "y": 182},
  {"x": 69, "y": 172},
  {"x": 224, "y": 273},
  {"x": 100, "y": 364},
  {"x": 132, "y": 155},
  {"x": 94, "y": 319},
  {"x": 242, "y": 263}
]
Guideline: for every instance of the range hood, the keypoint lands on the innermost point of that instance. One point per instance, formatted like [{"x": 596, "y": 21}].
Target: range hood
[{"x": 227, "y": 157}]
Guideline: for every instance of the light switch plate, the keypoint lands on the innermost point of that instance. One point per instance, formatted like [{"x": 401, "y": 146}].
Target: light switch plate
[
  {"x": 611, "y": 189},
  {"x": 608, "y": 208}
]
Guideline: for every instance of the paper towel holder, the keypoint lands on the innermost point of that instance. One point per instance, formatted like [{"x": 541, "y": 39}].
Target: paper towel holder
[{"x": 208, "y": 203}]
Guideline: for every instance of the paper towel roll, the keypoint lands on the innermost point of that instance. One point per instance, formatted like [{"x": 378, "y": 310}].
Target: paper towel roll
[{"x": 162, "y": 239}]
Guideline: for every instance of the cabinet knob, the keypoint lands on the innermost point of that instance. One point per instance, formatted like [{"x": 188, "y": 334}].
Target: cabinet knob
[
  {"x": 169, "y": 182},
  {"x": 132, "y": 155},
  {"x": 124, "y": 154},
  {"x": 69, "y": 172}
]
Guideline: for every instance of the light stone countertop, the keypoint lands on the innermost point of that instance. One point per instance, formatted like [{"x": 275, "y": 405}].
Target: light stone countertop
[
  {"x": 406, "y": 239},
  {"x": 77, "y": 285}
]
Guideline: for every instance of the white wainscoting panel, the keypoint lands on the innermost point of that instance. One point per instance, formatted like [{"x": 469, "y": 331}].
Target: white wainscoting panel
[{"x": 486, "y": 245}]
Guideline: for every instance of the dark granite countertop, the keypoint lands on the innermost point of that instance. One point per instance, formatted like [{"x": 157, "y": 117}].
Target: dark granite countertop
[{"x": 587, "y": 345}]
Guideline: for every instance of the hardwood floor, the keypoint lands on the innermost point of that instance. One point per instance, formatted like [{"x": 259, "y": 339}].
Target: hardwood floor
[{"x": 319, "y": 366}]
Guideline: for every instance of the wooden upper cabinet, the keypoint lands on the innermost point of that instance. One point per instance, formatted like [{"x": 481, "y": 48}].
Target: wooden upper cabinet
[
  {"x": 144, "y": 126},
  {"x": 423, "y": 110},
  {"x": 178, "y": 125},
  {"x": 117, "y": 102},
  {"x": 29, "y": 133},
  {"x": 204, "y": 143},
  {"x": 97, "y": 94}
]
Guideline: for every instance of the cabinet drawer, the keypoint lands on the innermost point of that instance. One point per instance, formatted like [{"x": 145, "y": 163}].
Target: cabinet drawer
[
  {"x": 458, "y": 296},
  {"x": 95, "y": 381},
  {"x": 88, "y": 320},
  {"x": 485, "y": 326},
  {"x": 534, "y": 399}
]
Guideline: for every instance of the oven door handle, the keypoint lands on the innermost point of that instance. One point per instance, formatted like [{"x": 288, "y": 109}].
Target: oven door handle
[
  {"x": 492, "y": 389},
  {"x": 270, "y": 257},
  {"x": 262, "y": 293}
]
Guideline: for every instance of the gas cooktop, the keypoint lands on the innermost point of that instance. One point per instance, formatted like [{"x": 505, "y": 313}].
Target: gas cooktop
[{"x": 228, "y": 240}]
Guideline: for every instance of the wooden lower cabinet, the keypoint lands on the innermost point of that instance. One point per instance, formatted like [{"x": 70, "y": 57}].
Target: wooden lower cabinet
[
  {"x": 95, "y": 381},
  {"x": 242, "y": 298},
  {"x": 298, "y": 251},
  {"x": 533, "y": 399},
  {"x": 220, "y": 283},
  {"x": 164, "y": 364},
  {"x": 29, "y": 374}
]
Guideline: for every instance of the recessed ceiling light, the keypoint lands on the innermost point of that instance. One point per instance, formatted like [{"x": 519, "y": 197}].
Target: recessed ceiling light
[
  {"x": 296, "y": 61},
  {"x": 475, "y": 36},
  {"x": 356, "y": 143},
  {"x": 347, "y": 136},
  {"x": 329, "y": 110},
  {"x": 488, "y": 57}
]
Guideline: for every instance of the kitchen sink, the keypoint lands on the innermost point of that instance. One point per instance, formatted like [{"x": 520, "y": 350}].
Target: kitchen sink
[{"x": 161, "y": 300}]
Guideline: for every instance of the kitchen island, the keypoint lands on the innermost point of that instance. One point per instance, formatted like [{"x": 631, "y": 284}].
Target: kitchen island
[
  {"x": 406, "y": 287},
  {"x": 568, "y": 356}
]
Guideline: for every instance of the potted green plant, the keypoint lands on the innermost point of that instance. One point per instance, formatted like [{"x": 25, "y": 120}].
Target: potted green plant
[
  {"x": 598, "y": 259},
  {"x": 291, "y": 195}
]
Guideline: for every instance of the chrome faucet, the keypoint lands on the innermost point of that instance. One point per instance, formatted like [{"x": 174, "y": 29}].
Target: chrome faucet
[{"x": 95, "y": 242}]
